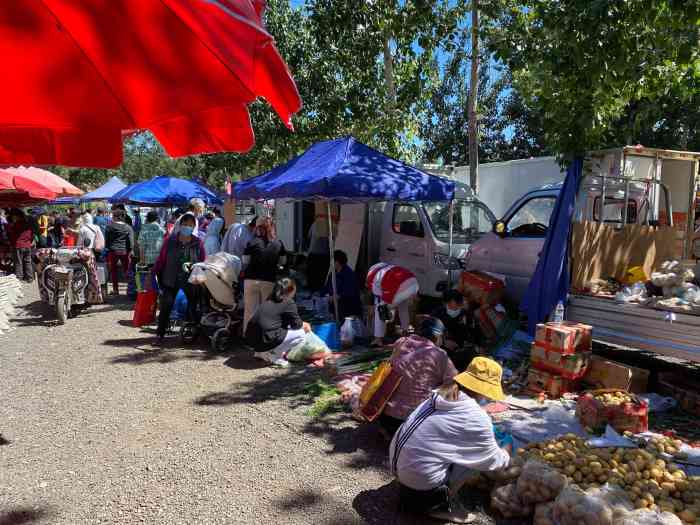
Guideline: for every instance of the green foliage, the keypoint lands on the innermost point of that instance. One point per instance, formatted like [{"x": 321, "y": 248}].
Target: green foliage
[{"x": 591, "y": 66}]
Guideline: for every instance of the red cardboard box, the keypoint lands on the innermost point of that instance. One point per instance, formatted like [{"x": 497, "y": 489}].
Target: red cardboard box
[
  {"x": 553, "y": 385},
  {"x": 594, "y": 414},
  {"x": 573, "y": 366},
  {"x": 566, "y": 338},
  {"x": 481, "y": 288}
]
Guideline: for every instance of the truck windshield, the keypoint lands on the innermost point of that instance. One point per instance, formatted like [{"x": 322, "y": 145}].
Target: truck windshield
[{"x": 472, "y": 219}]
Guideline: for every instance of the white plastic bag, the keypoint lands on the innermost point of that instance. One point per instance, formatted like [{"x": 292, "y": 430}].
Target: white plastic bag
[
  {"x": 312, "y": 345},
  {"x": 645, "y": 517}
]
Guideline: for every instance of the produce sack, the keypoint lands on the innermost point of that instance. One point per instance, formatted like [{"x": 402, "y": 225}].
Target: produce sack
[
  {"x": 378, "y": 391},
  {"x": 539, "y": 483},
  {"x": 312, "y": 345},
  {"x": 505, "y": 500},
  {"x": 145, "y": 308},
  {"x": 645, "y": 517},
  {"x": 596, "y": 506},
  {"x": 544, "y": 514}
]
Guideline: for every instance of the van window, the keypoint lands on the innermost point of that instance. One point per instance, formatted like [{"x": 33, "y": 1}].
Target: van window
[
  {"x": 406, "y": 221},
  {"x": 471, "y": 220},
  {"x": 532, "y": 218},
  {"x": 614, "y": 210}
]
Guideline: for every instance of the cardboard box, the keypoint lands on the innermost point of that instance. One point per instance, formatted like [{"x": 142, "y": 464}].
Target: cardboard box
[
  {"x": 572, "y": 366},
  {"x": 604, "y": 373},
  {"x": 566, "y": 338},
  {"x": 596, "y": 415},
  {"x": 553, "y": 385},
  {"x": 481, "y": 288}
]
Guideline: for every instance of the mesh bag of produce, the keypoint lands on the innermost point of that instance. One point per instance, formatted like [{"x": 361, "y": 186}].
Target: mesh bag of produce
[
  {"x": 544, "y": 514},
  {"x": 505, "y": 500},
  {"x": 645, "y": 517},
  {"x": 539, "y": 483},
  {"x": 596, "y": 506}
]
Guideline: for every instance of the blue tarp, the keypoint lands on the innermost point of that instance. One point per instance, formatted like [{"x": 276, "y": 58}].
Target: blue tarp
[
  {"x": 550, "y": 283},
  {"x": 105, "y": 191},
  {"x": 165, "y": 191},
  {"x": 64, "y": 201},
  {"x": 345, "y": 169}
]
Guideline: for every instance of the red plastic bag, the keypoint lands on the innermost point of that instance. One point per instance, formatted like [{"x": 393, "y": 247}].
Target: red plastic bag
[{"x": 145, "y": 308}]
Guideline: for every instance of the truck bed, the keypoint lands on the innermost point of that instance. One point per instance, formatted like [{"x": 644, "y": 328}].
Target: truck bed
[{"x": 638, "y": 327}]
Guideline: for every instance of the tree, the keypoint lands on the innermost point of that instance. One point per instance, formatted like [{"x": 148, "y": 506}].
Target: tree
[{"x": 588, "y": 65}]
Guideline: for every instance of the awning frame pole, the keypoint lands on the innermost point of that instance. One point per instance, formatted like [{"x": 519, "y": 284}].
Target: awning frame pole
[
  {"x": 331, "y": 246},
  {"x": 449, "y": 255}
]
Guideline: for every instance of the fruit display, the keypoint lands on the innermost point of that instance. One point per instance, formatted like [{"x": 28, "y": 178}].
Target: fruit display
[
  {"x": 614, "y": 398},
  {"x": 649, "y": 481},
  {"x": 621, "y": 410}
]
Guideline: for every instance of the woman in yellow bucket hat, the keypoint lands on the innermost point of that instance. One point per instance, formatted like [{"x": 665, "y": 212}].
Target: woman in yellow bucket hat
[{"x": 446, "y": 439}]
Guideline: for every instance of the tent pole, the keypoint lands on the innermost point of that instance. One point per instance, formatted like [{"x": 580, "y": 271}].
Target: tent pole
[
  {"x": 331, "y": 246},
  {"x": 449, "y": 257}
]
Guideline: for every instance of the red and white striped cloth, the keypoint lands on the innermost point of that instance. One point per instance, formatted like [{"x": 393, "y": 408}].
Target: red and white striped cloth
[{"x": 392, "y": 284}]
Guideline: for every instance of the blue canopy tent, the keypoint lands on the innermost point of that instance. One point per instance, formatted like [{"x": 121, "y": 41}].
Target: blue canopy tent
[
  {"x": 165, "y": 191},
  {"x": 550, "y": 282},
  {"x": 105, "y": 191},
  {"x": 346, "y": 170},
  {"x": 64, "y": 201}
]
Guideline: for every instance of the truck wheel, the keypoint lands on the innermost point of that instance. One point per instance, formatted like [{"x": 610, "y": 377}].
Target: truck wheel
[{"x": 63, "y": 308}]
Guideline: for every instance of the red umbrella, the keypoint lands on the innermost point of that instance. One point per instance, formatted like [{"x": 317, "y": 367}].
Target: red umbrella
[
  {"x": 32, "y": 177},
  {"x": 16, "y": 190},
  {"x": 79, "y": 73}
]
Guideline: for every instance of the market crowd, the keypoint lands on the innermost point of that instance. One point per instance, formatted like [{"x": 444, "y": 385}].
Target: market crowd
[{"x": 439, "y": 433}]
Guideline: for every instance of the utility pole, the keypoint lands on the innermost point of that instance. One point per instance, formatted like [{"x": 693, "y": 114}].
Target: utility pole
[{"x": 473, "y": 94}]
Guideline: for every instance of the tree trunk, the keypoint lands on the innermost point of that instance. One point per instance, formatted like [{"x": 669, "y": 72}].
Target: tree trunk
[
  {"x": 473, "y": 94},
  {"x": 389, "y": 72}
]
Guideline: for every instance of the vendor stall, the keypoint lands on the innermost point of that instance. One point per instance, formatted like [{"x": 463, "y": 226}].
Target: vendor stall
[
  {"x": 165, "y": 191},
  {"x": 345, "y": 170}
]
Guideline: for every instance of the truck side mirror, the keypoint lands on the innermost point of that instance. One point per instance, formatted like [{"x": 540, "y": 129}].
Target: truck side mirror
[{"x": 499, "y": 228}]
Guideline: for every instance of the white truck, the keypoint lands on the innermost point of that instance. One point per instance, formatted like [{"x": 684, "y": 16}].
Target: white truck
[
  {"x": 414, "y": 235},
  {"x": 635, "y": 207},
  {"x": 501, "y": 183}
]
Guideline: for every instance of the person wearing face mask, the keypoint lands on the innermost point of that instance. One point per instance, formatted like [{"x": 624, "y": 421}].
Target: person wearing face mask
[
  {"x": 457, "y": 328},
  {"x": 180, "y": 248},
  {"x": 262, "y": 259}
]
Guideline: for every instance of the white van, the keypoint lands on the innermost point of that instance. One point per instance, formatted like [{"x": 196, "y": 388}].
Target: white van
[{"x": 416, "y": 235}]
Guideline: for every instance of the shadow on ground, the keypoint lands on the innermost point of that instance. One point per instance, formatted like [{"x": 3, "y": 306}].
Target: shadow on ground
[{"x": 22, "y": 515}]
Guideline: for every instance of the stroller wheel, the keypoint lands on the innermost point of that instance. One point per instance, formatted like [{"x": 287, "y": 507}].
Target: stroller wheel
[
  {"x": 188, "y": 333},
  {"x": 220, "y": 340}
]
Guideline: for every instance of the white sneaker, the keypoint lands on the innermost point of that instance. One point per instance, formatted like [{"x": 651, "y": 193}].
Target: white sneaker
[{"x": 280, "y": 363}]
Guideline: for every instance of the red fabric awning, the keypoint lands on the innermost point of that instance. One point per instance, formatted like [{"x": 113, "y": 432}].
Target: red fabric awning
[{"x": 77, "y": 73}]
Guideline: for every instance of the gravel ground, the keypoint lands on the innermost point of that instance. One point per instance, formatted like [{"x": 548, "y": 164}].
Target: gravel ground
[{"x": 99, "y": 427}]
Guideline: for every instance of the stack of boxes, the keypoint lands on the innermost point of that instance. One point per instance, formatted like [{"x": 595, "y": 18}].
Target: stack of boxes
[{"x": 559, "y": 358}]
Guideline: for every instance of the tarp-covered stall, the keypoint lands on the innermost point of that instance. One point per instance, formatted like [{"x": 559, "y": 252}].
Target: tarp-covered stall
[{"x": 165, "y": 191}]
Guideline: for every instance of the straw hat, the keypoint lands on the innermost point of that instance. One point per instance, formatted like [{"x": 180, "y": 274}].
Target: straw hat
[{"x": 483, "y": 376}]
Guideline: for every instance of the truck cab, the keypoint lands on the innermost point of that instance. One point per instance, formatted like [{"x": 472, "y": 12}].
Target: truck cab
[{"x": 416, "y": 235}]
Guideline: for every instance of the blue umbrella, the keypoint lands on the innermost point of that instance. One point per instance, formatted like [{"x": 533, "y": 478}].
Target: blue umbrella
[
  {"x": 165, "y": 191},
  {"x": 104, "y": 192}
]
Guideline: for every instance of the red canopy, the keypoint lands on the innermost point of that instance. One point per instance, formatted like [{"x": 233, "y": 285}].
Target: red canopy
[
  {"x": 78, "y": 73},
  {"x": 27, "y": 178},
  {"x": 17, "y": 190}
]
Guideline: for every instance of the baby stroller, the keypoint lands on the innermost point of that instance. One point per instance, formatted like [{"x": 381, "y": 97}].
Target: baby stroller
[{"x": 218, "y": 277}]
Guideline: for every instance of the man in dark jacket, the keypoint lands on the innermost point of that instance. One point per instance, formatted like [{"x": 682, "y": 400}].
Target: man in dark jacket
[
  {"x": 179, "y": 248},
  {"x": 119, "y": 242},
  {"x": 349, "y": 301},
  {"x": 459, "y": 324}
]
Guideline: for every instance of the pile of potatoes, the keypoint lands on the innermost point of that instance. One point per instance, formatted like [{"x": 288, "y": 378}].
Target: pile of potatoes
[
  {"x": 666, "y": 445},
  {"x": 614, "y": 398},
  {"x": 505, "y": 499},
  {"x": 648, "y": 480}
]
